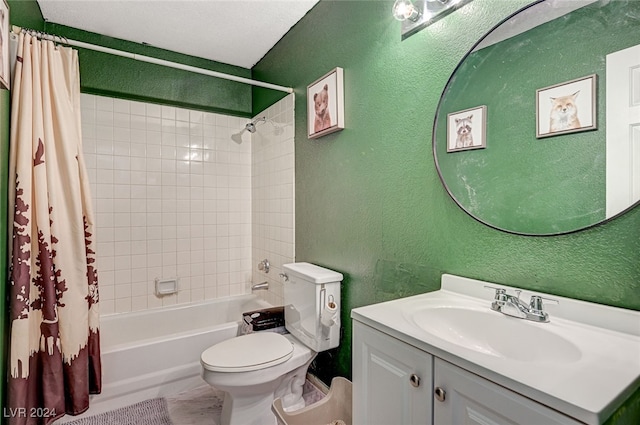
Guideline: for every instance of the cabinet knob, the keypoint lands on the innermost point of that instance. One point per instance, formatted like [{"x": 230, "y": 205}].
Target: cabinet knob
[
  {"x": 440, "y": 394},
  {"x": 415, "y": 380}
]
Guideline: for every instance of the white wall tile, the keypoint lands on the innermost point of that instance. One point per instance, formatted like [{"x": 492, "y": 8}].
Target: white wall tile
[
  {"x": 104, "y": 103},
  {"x": 137, "y": 108},
  {"x": 174, "y": 196},
  {"x": 182, "y": 114},
  {"x": 153, "y": 110}
]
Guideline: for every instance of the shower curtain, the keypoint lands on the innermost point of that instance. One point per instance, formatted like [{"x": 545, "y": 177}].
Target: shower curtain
[{"x": 55, "y": 343}]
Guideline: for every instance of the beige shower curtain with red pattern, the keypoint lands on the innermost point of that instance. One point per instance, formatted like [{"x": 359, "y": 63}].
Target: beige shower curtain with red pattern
[{"x": 55, "y": 344}]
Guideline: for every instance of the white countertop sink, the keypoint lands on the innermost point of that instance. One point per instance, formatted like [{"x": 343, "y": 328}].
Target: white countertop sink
[
  {"x": 585, "y": 361},
  {"x": 480, "y": 329}
]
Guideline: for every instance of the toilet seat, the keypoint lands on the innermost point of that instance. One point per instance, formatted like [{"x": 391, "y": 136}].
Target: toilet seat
[{"x": 247, "y": 352}]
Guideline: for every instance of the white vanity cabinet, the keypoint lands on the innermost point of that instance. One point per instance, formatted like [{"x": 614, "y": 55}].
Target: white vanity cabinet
[
  {"x": 395, "y": 383},
  {"x": 447, "y": 357},
  {"x": 392, "y": 380},
  {"x": 465, "y": 398}
]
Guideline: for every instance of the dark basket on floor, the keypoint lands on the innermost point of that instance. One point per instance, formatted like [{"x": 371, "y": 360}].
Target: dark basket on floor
[{"x": 334, "y": 407}]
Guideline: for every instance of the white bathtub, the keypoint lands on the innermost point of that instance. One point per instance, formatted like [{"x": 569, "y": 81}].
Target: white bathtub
[{"x": 156, "y": 353}]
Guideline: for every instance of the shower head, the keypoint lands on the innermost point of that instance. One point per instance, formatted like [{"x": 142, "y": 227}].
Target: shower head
[
  {"x": 251, "y": 128},
  {"x": 237, "y": 137}
]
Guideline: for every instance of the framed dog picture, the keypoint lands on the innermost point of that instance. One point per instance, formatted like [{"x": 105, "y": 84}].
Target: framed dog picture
[
  {"x": 467, "y": 129},
  {"x": 325, "y": 104},
  {"x": 4, "y": 44},
  {"x": 567, "y": 107}
]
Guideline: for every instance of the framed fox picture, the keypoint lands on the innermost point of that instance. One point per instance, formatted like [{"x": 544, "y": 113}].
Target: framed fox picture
[{"x": 567, "y": 107}]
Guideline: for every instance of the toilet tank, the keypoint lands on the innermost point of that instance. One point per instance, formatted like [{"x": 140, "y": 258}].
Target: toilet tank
[{"x": 312, "y": 305}]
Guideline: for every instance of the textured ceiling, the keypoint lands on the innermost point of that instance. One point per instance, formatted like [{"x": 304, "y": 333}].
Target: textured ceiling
[{"x": 236, "y": 32}]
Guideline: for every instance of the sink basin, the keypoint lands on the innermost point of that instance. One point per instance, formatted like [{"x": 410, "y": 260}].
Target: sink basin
[{"x": 495, "y": 334}]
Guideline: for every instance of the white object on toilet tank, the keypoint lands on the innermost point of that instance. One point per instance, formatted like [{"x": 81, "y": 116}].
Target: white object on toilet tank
[{"x": 312, "y": 305}]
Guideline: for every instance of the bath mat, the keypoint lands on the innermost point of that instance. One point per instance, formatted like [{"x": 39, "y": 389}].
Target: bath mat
[{"x": 148, "y": 412}]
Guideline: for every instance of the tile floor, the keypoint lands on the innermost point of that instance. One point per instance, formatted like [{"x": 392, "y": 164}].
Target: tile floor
[{"x": 203, "y": 405}]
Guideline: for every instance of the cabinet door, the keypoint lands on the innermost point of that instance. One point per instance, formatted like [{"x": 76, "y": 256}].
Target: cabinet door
[
  {"x": 391, "y": 380},
  {"x": 470, "y": 399}
]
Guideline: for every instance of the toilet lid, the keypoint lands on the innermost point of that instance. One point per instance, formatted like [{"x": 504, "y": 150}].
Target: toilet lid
[{"x": 247, "y": 352}]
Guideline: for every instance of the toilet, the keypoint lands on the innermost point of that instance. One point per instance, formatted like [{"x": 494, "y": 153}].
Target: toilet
[{"x": 256, "y": 368}]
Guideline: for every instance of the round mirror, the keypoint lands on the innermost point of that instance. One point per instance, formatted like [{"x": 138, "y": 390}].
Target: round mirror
[{"x": 535, "y": 130}]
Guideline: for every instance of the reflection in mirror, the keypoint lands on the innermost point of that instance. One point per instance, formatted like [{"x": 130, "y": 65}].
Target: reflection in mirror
[{"x": 583, "y": 174}]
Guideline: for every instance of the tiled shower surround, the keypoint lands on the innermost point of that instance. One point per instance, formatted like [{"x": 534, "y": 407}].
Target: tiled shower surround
[
  {"x": 273, "y": 193},
  {"x": 172, "y": 196}
]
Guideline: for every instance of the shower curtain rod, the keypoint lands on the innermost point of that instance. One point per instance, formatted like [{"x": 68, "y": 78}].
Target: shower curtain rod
[{"x": 149, "y": 59}]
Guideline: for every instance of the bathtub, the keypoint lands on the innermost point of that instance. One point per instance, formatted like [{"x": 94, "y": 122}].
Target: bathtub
[{"x": 156, "y": 353}]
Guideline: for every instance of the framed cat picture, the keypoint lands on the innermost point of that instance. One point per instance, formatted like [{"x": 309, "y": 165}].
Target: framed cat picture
[
  {"x": 467, "y": 129},
  {"x": 325, "y": 104},
  {"x": 567, "y": 107}
]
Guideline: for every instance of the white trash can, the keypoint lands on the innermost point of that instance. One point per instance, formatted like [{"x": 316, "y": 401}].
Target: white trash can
[{"x": 333, "y": 409}]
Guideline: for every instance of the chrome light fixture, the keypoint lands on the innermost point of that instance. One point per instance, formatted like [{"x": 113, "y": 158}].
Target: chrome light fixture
[
  {"x": 404, "y": 9},
  {"x": 419, "y": 14}
]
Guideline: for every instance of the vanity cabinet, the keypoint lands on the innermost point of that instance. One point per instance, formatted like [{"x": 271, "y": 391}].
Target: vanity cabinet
[
  {"x": 396, "y": 383},
  {"x": 392, "y": 381},
  {"x": 466, "y": 398}
]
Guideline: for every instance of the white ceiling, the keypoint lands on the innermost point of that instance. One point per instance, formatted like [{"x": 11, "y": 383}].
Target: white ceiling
[{"x": 236, "y": 32}]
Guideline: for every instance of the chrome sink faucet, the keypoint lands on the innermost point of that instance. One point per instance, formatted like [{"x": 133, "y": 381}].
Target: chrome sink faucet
[{"x": 512, "y": 305}]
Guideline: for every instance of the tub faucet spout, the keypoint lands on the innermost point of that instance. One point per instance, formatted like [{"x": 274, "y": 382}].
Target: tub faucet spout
[{"x": 260, "y": 286}]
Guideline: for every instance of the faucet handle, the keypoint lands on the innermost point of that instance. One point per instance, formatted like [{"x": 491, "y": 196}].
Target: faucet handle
[
  {"x": 536, "y": 302},
  {"x": 493, "y": 287},
  {"x": 499, "y": 299},
  {"x": 264, "y": 266},
  {"x": 500, "y": 292}
]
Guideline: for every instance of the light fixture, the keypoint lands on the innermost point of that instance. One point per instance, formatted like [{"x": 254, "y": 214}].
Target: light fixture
[
  {"x": 404, "y": 9},
  {"x": 417, "y": 15}
]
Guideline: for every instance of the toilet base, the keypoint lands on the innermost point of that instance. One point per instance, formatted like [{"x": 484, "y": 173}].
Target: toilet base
[
  {"x": 247, "y": 411},
  {"x": 252, "y": 406}
]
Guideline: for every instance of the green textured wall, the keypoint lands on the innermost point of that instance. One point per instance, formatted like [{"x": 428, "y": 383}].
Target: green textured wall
[
  {"x": 369, "y": 202},
  {"x": 26, "y": 13}
]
